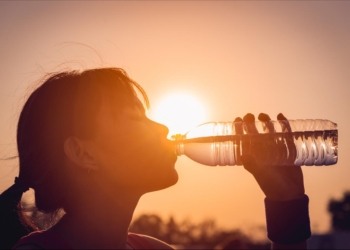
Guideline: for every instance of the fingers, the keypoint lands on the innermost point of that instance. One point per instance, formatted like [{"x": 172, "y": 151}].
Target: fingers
[
  {"x": 267, "y": 124},
  {"x": 289, "y": 140},
  {"x": 247, "y": 158},
  {"x": 283, "y": 121},
  {"x": 238, "y": 126},
  {"x": 254, "y": 156},
  {"x": 249, "y": 118},
  {"x": 264, "y": 117},
  {"x": 280, "y": 116},
  {"x": 249, "y": 124}
]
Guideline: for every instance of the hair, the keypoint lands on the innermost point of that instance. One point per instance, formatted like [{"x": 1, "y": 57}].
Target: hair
[{"x": 66, "y": 104}]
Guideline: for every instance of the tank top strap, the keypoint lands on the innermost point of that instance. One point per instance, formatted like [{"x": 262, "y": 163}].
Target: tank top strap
[{"x": 138, "y": 242}]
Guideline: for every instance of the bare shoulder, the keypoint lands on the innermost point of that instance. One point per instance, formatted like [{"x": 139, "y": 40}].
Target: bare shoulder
[{"x": 158, "y": 244}]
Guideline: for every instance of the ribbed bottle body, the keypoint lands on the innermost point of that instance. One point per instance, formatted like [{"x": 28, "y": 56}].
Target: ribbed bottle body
[{"x": 292, "y": 142}]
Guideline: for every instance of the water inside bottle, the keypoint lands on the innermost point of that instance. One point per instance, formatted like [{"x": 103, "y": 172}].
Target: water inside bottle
[{"x": 288, "y": 148}]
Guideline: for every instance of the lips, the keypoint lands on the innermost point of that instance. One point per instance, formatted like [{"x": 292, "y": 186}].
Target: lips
[{"x": 170, "y": 156}]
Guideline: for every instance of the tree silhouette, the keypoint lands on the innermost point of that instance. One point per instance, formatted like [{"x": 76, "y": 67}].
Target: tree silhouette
[
  {"x": 149, "y": 224},
  {"x": 340, "y": 211},
  {"x": 205, "y": 234}
]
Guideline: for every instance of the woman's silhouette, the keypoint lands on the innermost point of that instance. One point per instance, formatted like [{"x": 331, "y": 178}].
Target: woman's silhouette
[{"x": 86, "y": 146}]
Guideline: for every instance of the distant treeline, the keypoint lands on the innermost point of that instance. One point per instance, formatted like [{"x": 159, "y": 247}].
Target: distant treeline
[{"x": 185, "y": 233}]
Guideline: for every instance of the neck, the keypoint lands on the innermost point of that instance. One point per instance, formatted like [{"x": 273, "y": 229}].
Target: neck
[{"x": 99, "y": 222}]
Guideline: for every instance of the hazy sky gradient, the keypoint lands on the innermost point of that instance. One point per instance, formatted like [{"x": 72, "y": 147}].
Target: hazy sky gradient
[{"x": 233, "y": 57}]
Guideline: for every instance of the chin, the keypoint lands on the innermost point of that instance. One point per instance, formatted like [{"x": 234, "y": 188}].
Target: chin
[
  {"x": 167, "y": 181},
  {"x": 174, "y": 179}
]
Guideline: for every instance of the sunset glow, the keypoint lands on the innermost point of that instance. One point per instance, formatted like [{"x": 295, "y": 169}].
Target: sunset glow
[
  {"x": 179, "y": 112},
  {"x": 198, "y": 61}
]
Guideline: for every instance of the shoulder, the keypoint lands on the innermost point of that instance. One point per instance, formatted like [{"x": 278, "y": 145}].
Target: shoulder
[
  {"x": 30, "y": 241},
  {"x": 148, "y": 242},
  {"x": 42, "y": 240}
]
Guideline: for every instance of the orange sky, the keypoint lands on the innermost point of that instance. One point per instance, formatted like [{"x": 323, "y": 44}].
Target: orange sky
[{"x": 234, "y": 57}]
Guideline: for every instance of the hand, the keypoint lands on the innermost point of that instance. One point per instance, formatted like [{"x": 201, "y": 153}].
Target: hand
[{"x": 279, "y": 183}]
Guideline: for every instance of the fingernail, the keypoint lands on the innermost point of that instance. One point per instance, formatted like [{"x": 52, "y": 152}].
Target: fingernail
[
  {"x": 280, "y": 116},
  {"x": 264, "y": 117}
]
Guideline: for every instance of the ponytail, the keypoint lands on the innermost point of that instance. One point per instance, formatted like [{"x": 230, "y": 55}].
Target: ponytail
[{"x": 13, "y": 223}]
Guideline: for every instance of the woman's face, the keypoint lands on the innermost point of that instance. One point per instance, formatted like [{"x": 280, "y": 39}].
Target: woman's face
[{"x": 132, "y": 151}]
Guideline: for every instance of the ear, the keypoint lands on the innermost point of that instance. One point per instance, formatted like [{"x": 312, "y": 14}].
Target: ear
[{"x": 80, "y": 153}]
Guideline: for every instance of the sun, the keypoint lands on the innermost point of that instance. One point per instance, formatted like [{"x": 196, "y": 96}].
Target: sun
[{"x": 179, "y": 112}]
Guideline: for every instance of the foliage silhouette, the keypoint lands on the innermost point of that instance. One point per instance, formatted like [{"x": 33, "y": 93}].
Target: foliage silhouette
[
  {"x": 186, "y": 233},
  {"x": 340, "y": 212}
]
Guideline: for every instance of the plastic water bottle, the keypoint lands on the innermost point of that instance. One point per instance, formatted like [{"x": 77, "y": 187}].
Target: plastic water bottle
[{"x": 293, "y": 142}]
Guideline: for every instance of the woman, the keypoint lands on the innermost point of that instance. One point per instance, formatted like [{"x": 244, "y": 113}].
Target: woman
[{"x": 86, "y": 146}]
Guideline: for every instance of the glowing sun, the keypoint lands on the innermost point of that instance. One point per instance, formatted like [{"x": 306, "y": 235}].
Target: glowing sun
[{"x": 179, "y": 112}]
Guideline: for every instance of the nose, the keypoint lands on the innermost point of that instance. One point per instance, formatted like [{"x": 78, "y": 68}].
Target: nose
[{"x": 161, "y": 129}]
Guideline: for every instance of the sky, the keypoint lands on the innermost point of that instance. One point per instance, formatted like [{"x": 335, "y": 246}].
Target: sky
[{"x": 228, "y": 57}]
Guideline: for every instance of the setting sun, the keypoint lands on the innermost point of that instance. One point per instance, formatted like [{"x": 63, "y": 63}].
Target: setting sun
[
  {"x": 179, "y": 112},
  {"x": 197, "y": 62}
]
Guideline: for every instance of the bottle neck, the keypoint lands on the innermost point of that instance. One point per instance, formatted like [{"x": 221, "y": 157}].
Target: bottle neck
[{"x": 178, "y": 144}]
